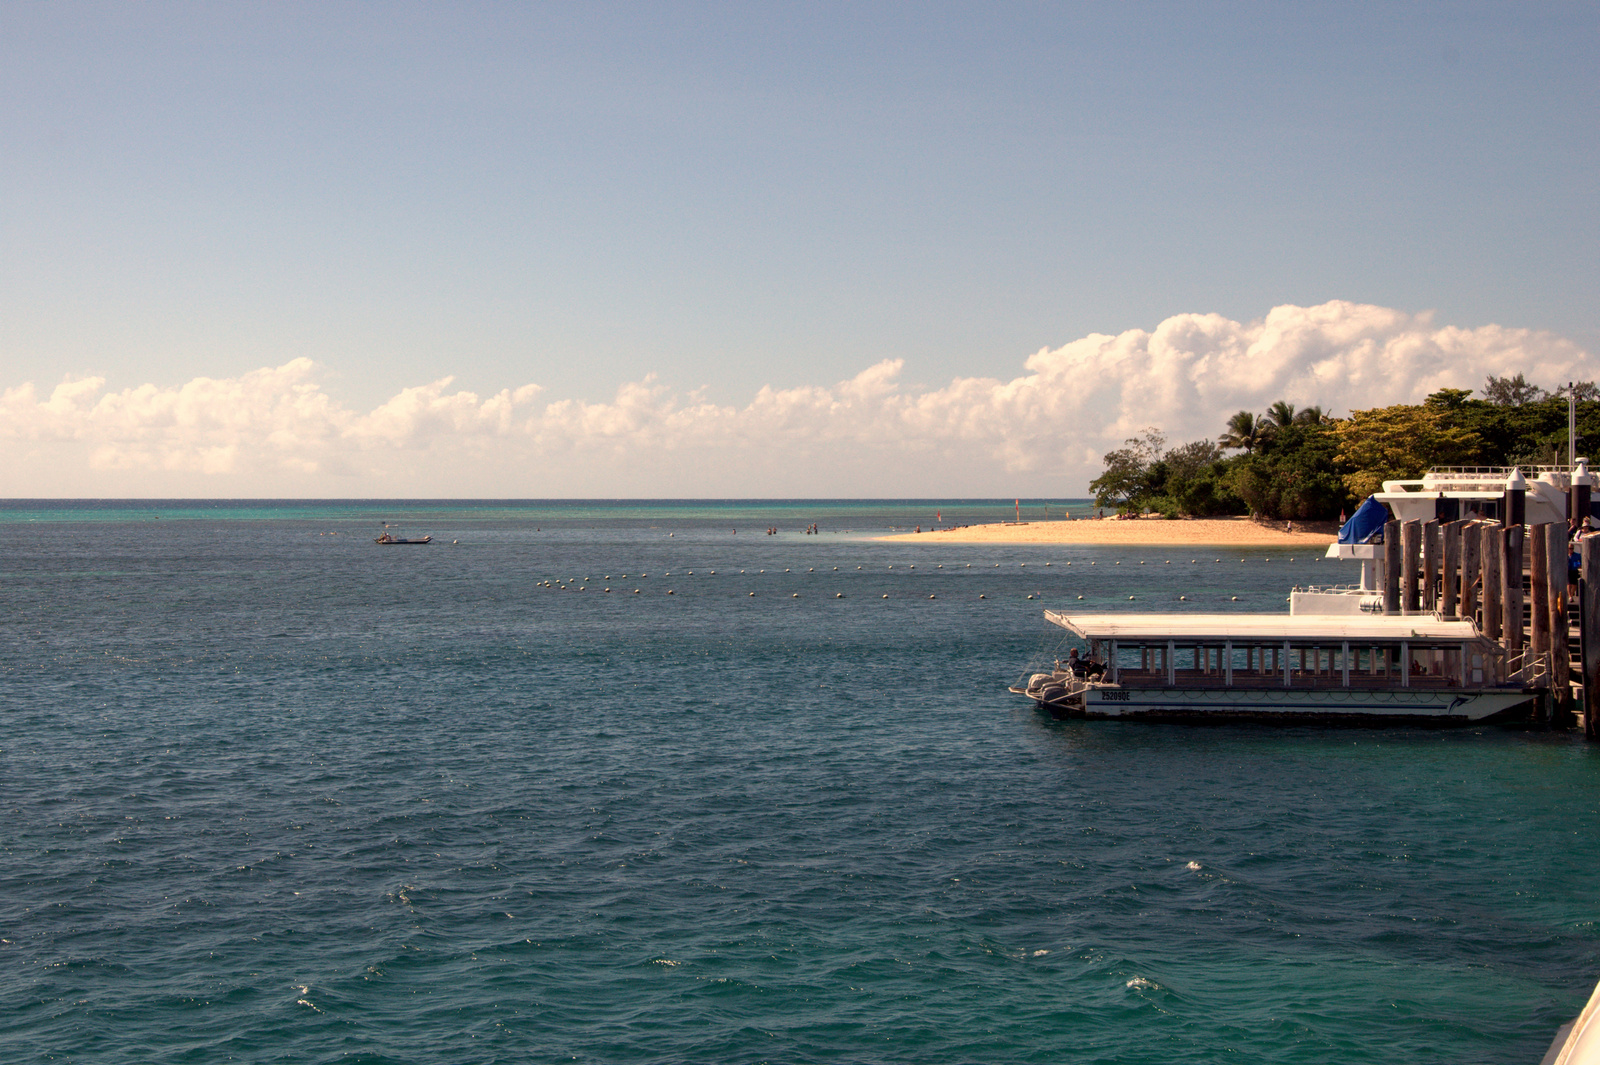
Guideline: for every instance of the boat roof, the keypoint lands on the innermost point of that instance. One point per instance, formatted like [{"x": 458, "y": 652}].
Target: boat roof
[{"x": 1297, "y": 627}]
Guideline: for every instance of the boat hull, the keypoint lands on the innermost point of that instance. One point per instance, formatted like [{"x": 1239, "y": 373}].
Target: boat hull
[{"x": 1410, "y": 706}]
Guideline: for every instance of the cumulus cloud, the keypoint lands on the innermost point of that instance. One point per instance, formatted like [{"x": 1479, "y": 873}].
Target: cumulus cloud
[{"x": 277, "y": 431}]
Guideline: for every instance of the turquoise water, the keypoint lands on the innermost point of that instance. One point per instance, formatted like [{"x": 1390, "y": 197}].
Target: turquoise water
[{"x": 271, "y": 792}]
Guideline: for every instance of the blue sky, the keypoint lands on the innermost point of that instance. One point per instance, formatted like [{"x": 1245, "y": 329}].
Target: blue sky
[{"x": 732, "y": 197}]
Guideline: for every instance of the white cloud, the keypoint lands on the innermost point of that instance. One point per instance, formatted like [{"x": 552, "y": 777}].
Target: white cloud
[{"x": 275, "y": 431}]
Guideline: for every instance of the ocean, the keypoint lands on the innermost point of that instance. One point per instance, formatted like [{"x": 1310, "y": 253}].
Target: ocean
[{"x": 270, "y": 792}]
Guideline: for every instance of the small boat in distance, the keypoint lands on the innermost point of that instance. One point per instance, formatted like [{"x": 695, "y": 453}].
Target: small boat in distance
[{"x": 391, "y": 538}]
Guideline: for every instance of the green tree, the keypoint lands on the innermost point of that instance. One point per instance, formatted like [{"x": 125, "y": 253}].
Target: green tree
[
  {"x": 1196, "y": 481},
  {"x": 1134, "y": 473},
  {"x": 1512, "y": 391},
  {"x": 1296, "y": 475},
  {"x": 1281, "y": 415},
  {"x": 1399, "y": 443},
  {"x": 1245, "y": 430}
]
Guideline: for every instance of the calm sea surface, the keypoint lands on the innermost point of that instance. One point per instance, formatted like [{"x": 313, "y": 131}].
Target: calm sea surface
[{"x": 272, "y": 793}]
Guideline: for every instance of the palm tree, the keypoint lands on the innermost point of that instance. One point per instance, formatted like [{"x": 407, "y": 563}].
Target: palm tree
[
  {"x": 1245, "y": 430},
  {"x": 1281, "y": 414},
  {"x": 1310, "y": 416}
]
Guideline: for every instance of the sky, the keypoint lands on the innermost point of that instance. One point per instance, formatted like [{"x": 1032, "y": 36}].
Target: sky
[{"x": 763, "y": 250}]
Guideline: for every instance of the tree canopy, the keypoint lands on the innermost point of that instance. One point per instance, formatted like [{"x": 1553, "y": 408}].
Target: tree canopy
[{"x": 1304, "y": 464}]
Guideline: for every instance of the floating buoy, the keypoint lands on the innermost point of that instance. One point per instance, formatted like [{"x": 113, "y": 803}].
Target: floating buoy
[
  {"x": 836, "y": 569},
  {"x": 983, "y": 597},
  {"x": 1183, "y": 598},
  {"x": 1030, "y": 597},
  {"x": 796, "y": 595},
  {"x": 752, "y": 593},
  {"x": 1091, "y": 563},
  {"x": 1047, "y": 563},
  {"x": 608, "y": 576},
  {"x": 933, "y": 597},
  {"x": 713, "y": 573},
  {"x": 1024, "y": 565},
  {"x": 608, "y": 590},
  {"x": 1168, "y": 562},
  {"x": 1080, "y": 597},
  {"x": 786, "y": 571},
  {"x": 642, "y": 576},
  {"x": 838, "y": 595},
  {"x": 691, "y": 572},
  {"x": 969, "y": 565},
  {"x": 455, "y": 541},
  {"x": 813, "y": 569},
  {"x": 636, "y": 591},
  {"x": 886, "y": 595},
  {"x": 1141, "y": 562},
  {"x": 1130, "y": 598},
  {"x": 1234, "y": 599},
  {"x": 913, "y": 567},
  {"x": 670, "y": 591},
  {"x": 941, "y": 565}
]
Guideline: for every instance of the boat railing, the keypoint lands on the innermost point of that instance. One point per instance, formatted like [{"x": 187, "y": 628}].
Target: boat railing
[
  {"x": 1493, "y": 471},
  {"x": 1334, "y": 589},
  {"x": 1525, "y": 667}
]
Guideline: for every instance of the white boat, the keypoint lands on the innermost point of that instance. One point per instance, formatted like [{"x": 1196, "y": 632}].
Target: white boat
[
  {"x": 1336, "y": 656},
  {"x": 1349, "y": 668}
]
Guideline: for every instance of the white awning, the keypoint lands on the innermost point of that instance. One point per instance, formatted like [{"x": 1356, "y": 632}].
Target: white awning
[{"x": 1263, "y": 628}]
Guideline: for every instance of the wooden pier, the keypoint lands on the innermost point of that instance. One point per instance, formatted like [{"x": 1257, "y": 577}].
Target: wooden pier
[{"x": 1512, "y": 581}]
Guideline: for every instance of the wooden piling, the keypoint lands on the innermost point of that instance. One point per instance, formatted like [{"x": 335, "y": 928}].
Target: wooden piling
[
  {"x": 1469, "y": 570},
  {"x": 1560, "y": 659},
  {"x": 1589, "y": 596},
  {"x": 1391, "y": 568},
  {"x": 1431, "y": 532},
  {"x": 1450, "y": 580},
  {"x": 1489, "y": 548},
  {"x": 1511, "y": 587},
  {"x": 1539, "y": 594},
  {"x": 1411, "y": 548}
]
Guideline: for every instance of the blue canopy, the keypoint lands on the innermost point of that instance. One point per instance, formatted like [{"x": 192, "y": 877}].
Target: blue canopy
[{"x": 1366, "y": 524}]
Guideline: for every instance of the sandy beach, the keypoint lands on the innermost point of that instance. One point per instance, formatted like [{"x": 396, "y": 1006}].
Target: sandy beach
[{"x": 1238, "y": 531}]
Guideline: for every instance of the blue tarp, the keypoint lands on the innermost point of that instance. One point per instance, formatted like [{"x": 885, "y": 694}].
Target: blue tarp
[{"x": 1366, "y": 524}]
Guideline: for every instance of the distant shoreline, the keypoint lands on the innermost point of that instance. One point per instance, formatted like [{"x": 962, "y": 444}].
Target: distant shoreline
[{"x": 1242, "y": 532}]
